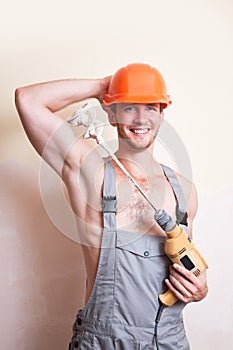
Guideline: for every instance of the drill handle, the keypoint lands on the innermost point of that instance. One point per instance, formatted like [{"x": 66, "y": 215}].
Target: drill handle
[{"x": 167, "y": 298}]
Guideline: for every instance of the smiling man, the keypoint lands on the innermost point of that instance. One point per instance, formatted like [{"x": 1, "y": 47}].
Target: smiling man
[
  {"x": 141, "y": 120},
  {"x": 121, "y": 242}
]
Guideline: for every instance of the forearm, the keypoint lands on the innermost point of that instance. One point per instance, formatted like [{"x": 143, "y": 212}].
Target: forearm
[{"x": 58, "y": 94}]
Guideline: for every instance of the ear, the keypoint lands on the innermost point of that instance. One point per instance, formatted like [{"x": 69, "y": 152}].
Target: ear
[
  {"x": 105, "y": 108},
  {"x": 161, "y": 117},
  {"x": 112, "y": 117},
  {"x": 110, "y": 113}
]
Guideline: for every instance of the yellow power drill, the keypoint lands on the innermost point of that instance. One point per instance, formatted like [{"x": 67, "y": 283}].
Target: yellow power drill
[{"x": 180, "y": 250}]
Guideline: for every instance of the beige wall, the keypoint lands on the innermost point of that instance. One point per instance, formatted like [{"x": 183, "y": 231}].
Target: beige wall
[{"x": 191, "y": 43}]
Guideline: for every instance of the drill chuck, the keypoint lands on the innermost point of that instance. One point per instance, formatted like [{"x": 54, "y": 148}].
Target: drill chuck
[{"x": 164, "y": 220}]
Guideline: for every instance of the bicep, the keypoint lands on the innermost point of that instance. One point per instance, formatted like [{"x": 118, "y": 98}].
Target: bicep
[{"x": 50, "y": 136}]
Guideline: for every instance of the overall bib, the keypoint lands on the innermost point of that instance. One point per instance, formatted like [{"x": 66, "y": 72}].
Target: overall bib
[{"x": 121, "y": 311}]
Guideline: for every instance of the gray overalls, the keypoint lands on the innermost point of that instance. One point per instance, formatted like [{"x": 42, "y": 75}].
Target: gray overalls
[{"x": 121, "y": 311}]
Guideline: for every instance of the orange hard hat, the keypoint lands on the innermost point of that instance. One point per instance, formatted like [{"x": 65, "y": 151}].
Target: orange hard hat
[{"x": 137, "y": 83}]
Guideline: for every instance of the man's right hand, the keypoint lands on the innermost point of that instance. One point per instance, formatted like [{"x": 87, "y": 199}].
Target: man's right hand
[{"x": 104, "y": 83}]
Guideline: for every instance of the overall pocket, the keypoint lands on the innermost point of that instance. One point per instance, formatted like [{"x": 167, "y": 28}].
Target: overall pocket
[{"x": 141, "y": 267}]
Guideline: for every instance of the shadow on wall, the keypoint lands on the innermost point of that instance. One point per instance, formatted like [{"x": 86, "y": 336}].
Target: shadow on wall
[{"x": 41, "y": 269}]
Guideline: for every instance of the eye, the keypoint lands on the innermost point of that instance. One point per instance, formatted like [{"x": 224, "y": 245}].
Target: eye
[{"x": 130, "y": 108}]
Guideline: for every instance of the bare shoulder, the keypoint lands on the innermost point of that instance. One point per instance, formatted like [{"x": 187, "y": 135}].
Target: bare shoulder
[{"x": 189, "y": 191}]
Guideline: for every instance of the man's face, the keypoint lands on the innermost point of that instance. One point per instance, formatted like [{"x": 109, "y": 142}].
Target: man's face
[{"x": 137, "y": 124}]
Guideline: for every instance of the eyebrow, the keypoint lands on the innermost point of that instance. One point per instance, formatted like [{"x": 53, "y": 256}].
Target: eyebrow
[
  {"x": 135, "y": 104},
  {"x": 152, "y": 104}
]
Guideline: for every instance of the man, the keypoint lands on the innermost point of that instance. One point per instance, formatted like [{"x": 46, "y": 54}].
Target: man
[{"x": 125, "y": 277}]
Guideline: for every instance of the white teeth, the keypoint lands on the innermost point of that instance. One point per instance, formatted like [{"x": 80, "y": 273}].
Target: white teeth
[{"x": 139, "y": 131}]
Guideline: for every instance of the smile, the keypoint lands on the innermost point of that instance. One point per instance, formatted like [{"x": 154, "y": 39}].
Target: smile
[{"x": 139, "y": 131}]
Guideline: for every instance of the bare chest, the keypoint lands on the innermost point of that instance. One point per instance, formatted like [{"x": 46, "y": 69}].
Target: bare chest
[{"x": 134, "y": 212}]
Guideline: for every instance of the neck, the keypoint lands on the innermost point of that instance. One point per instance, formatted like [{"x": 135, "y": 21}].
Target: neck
[{"x": 138, "y": 163}]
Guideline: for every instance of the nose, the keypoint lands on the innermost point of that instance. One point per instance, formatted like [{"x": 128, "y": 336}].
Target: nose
[{"x": 141, "y": 115}]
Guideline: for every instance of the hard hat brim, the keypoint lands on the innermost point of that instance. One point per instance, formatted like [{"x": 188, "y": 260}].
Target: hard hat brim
[{"x": 124, "y": 98}]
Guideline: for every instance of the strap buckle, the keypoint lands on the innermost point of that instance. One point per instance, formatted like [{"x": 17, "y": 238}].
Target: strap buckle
[{"x": 109, "y": 205}]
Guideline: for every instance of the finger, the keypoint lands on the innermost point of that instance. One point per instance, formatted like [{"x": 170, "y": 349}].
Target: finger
[
  {"x": 197, "y": 287},
  {"x": 183, "y": 286},
  {"x": 197, "y": 281},
  {"x": 183, "y": 295},
  {"x": 185, "y": 273},
  {"x": 182, "y": 283}
]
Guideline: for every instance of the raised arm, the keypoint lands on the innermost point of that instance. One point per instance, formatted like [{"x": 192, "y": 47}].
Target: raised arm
[{"x": 48, "y": 133}]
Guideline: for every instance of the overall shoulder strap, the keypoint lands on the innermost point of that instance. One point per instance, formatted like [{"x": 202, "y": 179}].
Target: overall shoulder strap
[
  {"x": 181, "y": 205},
  {"x": 109, "y": 196}
]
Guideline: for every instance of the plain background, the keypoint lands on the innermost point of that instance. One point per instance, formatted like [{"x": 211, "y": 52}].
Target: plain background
[{"x": 190, "y": 42}]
